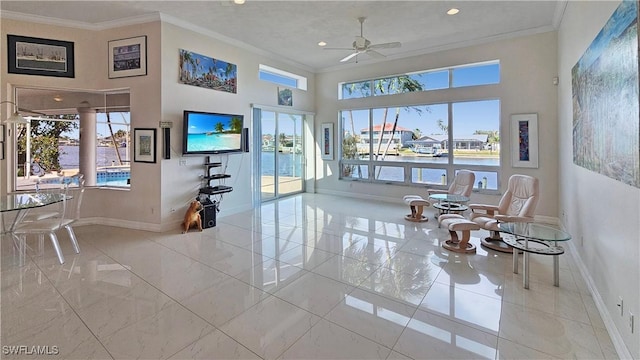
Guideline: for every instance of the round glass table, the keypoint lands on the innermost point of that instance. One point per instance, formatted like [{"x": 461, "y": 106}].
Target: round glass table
[
  {"x": 537, "y": 239},
  {"x": 449, "y": 203}
]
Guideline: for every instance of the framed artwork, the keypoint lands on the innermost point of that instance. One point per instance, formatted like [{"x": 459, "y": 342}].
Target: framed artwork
[
  {"x": 326, "y": 139},
  {"x": 128, "y": 57},
  {"x": 144, "y": 145},
  {"x": 1, "y": 133},
  {"x": 285, "y": 97},
  {"x": 524, "y": 140},
  {"x": 36, "y": 56},
  {"x": 203, "y": 71},
  {"x": 606, "y": 127}
]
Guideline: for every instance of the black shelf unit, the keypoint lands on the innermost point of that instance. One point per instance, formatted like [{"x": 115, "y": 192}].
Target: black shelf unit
[
  {"x": 211, "y": 206},
  {"x": 208, "y": 189}
]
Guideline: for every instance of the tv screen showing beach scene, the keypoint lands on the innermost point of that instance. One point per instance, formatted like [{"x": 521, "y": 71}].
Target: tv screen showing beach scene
[{"x": 212, "y": 133}]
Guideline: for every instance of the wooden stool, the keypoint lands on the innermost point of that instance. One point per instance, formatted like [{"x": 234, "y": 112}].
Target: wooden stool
[
  {"x": 454, "y": 223},
  {"x": 417, "y": 204}
]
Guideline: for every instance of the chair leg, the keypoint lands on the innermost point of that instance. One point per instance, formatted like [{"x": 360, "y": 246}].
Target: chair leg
[
  {"x": 74, "y": 241},
  {"x": 20, "y": 245},
  {"x": 56, "y": 246}
]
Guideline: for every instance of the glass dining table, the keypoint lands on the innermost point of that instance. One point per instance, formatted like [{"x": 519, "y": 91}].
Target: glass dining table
[{"x": 18, "y": 205}]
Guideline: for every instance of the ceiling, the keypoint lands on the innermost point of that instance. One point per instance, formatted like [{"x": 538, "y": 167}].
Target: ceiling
[{"x": 291, "y": 30}]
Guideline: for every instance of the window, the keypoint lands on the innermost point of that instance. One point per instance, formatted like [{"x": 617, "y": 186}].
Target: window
[
  {"x": 281, "y": 77},
  {"x": 422, "y": 144},
  {"x": 54, "y": 140},
  {"x": 458, "y": 76}
]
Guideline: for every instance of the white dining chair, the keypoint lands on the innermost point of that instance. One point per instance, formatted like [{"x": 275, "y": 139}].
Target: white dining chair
[
  {"x": 67, "y": 213},
  {"x": 42, "y": 227}
]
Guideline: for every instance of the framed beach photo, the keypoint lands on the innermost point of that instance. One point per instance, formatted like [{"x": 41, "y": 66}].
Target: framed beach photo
[
  {"x": 128, "y": 57},
  {"x": 144, "y": 145},
  {"x": 36, "y": 56},
  {"x": 524, "y": 140}
]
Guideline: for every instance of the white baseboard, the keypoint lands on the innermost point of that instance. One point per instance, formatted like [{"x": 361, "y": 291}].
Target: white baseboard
[
  {"x": 135, "y": 225},
  {"x": 616, "y": 338}
]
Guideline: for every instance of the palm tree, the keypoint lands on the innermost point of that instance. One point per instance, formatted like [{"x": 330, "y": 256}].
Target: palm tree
[
  {"x": 236, "y": 125},
  {"x": 442, "y": 126},
  {"x": 219, "y": 127}
]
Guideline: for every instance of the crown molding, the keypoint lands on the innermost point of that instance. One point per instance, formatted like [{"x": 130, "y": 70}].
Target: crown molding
[
  {"x": 561, "y": 7},
  {"x": 134, "y": 20}
]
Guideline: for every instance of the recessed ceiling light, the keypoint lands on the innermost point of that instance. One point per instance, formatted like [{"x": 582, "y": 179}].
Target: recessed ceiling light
[
  {"x": 322, "y": 43},
  {"x": 453, "y": 11},
  {"x": 239, "y": 2}
]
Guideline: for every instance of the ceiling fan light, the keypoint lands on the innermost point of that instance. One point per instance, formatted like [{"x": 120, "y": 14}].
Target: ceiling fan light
[{"x": 453, "y": 11}]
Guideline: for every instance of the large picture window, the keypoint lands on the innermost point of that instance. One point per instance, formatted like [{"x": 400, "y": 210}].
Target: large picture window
[{"x": 422, "y": 144}]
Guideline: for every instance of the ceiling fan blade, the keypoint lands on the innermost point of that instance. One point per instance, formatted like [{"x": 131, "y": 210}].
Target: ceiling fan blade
[
  {"x": 349, "y": 57},
  {"x": 374, "y": 54},
  {"x": 332, "y": 48},
  {"x": 389, "y": 45}
]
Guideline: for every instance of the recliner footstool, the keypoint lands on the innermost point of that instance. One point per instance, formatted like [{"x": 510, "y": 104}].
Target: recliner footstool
[{"x": 455, "y": 223}]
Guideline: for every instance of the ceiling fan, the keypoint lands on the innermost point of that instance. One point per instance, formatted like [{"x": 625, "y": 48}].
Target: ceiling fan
[{"x": 363, "y": 46}]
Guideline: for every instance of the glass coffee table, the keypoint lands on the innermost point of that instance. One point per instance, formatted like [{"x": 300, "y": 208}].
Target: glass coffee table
[
  {"x": 536, "y": 239},
  {"x": 449, "y": 203}
]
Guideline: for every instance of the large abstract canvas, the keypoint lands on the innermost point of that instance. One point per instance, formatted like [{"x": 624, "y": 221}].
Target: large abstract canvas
[{"x": 606, "y": 115}]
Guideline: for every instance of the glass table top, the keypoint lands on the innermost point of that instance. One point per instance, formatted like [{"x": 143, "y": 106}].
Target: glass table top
[
  {"x": 449, "y": 198},
  {"x": 534, "y": 231},
  {"x": 22, "y": 201}
]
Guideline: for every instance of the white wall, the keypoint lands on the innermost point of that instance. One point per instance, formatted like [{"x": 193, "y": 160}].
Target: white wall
[
  {"x": 602, "y": 214},
  {"x": 527, "y": 66},
  {"x": 180, "y": 183},
  {"x": 117, "y": 207}
]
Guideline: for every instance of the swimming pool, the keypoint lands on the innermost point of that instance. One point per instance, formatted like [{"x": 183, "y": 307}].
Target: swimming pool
[{"x": 118, "y": 178}]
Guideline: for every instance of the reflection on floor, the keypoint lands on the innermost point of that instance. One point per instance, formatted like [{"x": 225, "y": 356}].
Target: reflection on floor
[{"x": 309, "y": 276}]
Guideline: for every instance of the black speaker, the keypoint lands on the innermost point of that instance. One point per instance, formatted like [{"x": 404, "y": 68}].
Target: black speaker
[
  {"x": 167, "y": 143},
  {"x": 245, "y": 139},
  {"x": 208, "y": 215}
]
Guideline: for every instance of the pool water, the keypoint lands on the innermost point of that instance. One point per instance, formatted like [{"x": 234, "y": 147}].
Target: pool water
[{"x": 103, "y": 178}]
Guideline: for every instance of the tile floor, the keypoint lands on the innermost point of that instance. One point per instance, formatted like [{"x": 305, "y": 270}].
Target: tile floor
[{"x": 306, "y": 277}]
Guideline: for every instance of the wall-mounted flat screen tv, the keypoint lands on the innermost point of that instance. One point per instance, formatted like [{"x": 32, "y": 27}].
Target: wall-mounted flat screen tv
[{"x": 211, "y": 133}]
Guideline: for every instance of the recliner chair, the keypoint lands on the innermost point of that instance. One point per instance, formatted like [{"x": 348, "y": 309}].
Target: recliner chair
[
  {"x": 517, "y": 204},
  {"x": 462, "y": 185}
]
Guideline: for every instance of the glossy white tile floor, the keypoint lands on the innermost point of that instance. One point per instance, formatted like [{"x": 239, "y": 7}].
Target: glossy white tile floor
[{"x": 307, "y": 277}]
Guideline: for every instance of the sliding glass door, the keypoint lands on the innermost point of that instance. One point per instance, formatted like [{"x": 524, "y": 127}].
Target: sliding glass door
[{"x": 282, "y": 154}]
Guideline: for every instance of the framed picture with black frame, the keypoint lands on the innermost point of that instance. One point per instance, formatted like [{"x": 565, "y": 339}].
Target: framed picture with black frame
[
  {"x": 144, "y": 145},
  {"x": 36, "y": 56}
]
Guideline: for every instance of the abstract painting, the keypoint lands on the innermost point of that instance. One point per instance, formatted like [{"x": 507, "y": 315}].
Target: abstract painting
[
  {"x": 207, "y": 72},
  {"x": 524, "y": 140},
  {"x": 606, "y": 114}
]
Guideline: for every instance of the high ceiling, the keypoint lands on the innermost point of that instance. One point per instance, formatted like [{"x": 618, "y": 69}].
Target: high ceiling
[{"x": 291, "y": 30}]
